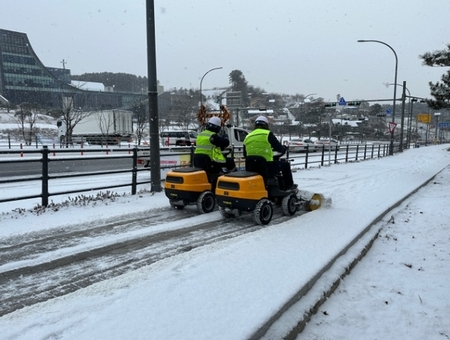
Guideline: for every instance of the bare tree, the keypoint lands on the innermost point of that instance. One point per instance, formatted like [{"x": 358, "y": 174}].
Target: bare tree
[
  {"x": 6, "y": 104},
  {"x": 25, "y": 118},
  {"x": 70, "y": 118},
  {"x": 184, "y": 110},
  {"x": 141, "y": 118},
  {"x": 105, "y": 121}
]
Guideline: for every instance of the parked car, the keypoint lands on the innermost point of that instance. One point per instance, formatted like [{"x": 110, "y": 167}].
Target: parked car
[
  {"x": 178, "y": 138},
  {"x": 299, "y": 145},
  {"x": 325, "y": 144}
]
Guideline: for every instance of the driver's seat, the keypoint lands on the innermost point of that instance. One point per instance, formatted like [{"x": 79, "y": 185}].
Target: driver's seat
[
  {"x": 259, "y": 165},
  {"x": 204, "y": 162}
]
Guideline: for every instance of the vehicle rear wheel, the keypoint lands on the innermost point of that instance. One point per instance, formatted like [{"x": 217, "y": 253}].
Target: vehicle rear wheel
[
  {"x": 289, "y": 205},
  {"x": 263, "y": 212},
  {"x": 206, "y": 202}
]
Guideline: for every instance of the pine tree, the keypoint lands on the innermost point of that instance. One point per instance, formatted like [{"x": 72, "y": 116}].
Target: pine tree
[
  {"x": 239, "y": 84},
  {"x": 439, "y": 90}
]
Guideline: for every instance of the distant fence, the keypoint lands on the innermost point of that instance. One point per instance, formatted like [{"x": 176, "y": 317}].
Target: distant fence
[
  {"x": 45, "y": 178},
  {"x": 343, "y": 154},
  {"x": 6, "y": 141},
  {"x": 44, "y": 156}
]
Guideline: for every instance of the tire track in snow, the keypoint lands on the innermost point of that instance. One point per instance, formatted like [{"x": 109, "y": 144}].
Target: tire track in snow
[{"x": 59, "y": 276}]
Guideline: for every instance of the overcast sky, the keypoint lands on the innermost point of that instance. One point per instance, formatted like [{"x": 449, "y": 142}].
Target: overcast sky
[{"x": 283, "y": 46}]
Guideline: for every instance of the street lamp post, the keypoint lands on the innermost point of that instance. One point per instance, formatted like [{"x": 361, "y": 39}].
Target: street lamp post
[
  {"x": 436, "y": 137},
  {"x": 411, "y": 103},
  {"x": 412, "y": 100},
  {"x": 201, "y": 81},
  {"x": 403, "y": 110},
  {"x": 155, "y": 166},
  {"x": 403, "y": 116},
  {"x": 391, "y": 146}
]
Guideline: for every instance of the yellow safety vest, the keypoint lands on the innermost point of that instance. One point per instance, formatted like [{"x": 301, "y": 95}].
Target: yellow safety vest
[
  {"x": 205, "y": 147},
  {"x": 257, "y": 144}
]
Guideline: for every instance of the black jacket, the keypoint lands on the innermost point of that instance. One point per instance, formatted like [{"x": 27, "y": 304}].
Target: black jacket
[{"x": 220, "y": 140}]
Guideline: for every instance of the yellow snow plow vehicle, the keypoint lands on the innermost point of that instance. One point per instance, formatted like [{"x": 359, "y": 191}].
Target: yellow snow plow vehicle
[
  {"x": 188, "y": 185},
  {"x": 252, "y": 191},
  {"x": 194, "y": 185}
]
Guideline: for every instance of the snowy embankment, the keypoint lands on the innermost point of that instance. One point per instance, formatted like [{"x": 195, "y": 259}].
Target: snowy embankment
[{"x": 232, "y": 289}]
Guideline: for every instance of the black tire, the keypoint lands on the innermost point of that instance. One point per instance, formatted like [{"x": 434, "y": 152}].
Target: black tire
[
  {"x": 263, "y": 212},
  {"x": 177, "y": 205},
  {"x": 206, "y": 202},
  {"x": 289, "y": 205}
]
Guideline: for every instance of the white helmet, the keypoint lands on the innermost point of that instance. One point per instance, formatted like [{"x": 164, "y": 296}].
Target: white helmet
[
  {"x": 215, "y": 121},
  {"x": 262, "y": 119},
  {"x": 262, "y": 123}
]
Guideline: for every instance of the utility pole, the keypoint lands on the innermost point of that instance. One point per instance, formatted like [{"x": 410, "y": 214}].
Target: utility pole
[
  {"x": 63, "y": 62},
  {"x": 155, "y": 165}
]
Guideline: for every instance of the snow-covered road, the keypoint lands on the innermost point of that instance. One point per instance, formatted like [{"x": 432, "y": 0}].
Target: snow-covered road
[{"x": 227, "y": 289}]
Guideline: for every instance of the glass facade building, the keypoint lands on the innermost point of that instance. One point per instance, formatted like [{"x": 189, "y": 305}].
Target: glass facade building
[{"x": 23, "y": 78}]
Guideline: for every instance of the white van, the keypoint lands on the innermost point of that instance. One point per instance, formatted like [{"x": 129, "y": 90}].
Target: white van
[
  {"x": 236, "y": 135},
  {"x": 178, "y": 138}
]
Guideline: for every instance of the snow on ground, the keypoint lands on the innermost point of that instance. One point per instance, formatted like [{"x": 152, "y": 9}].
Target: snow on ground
[
  {"x": 229, "y": 289},
  {"x": 400, "y": 290}
]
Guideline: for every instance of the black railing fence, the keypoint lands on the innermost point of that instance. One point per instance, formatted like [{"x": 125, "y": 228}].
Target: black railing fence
[
  {"x": 45, "y": 177},
  {"x": 343, "y": 154},
  {"x": 45, "y": 156}
]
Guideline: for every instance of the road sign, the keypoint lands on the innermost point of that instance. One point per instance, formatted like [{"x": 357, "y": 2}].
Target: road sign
[
  {"x": 391, "y": 127},
  {"x": 342, "y": 101},
  {"x": 424, "y": 117},
  {"x": 443, "y": 125},
  {"x": 388, "y": 111}
]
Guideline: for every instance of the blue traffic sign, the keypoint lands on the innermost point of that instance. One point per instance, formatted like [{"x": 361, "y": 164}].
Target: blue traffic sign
[
  {"x": 444, "y": 125},
  {"x": 388, "y": 111},
  {"x": 342, "y": 101}
]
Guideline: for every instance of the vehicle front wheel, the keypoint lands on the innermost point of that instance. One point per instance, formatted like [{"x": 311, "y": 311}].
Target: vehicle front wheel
[
  {"x": 263, "y": 212},
  {"x": 206, "y": 202},
  {"x": 289, "y": 205}
]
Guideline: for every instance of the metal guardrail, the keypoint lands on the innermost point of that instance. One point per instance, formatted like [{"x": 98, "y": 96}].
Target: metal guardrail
[
  {"x": 345, "y": 153},
  {"x": 348, "y": 153},
  {"x": 46, "y": 178}
]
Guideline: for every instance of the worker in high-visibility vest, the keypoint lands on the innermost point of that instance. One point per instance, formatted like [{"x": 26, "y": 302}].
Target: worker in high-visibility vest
[
  {"x": 262, "y": 142},
  {"x": 211, "y": 142}
]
